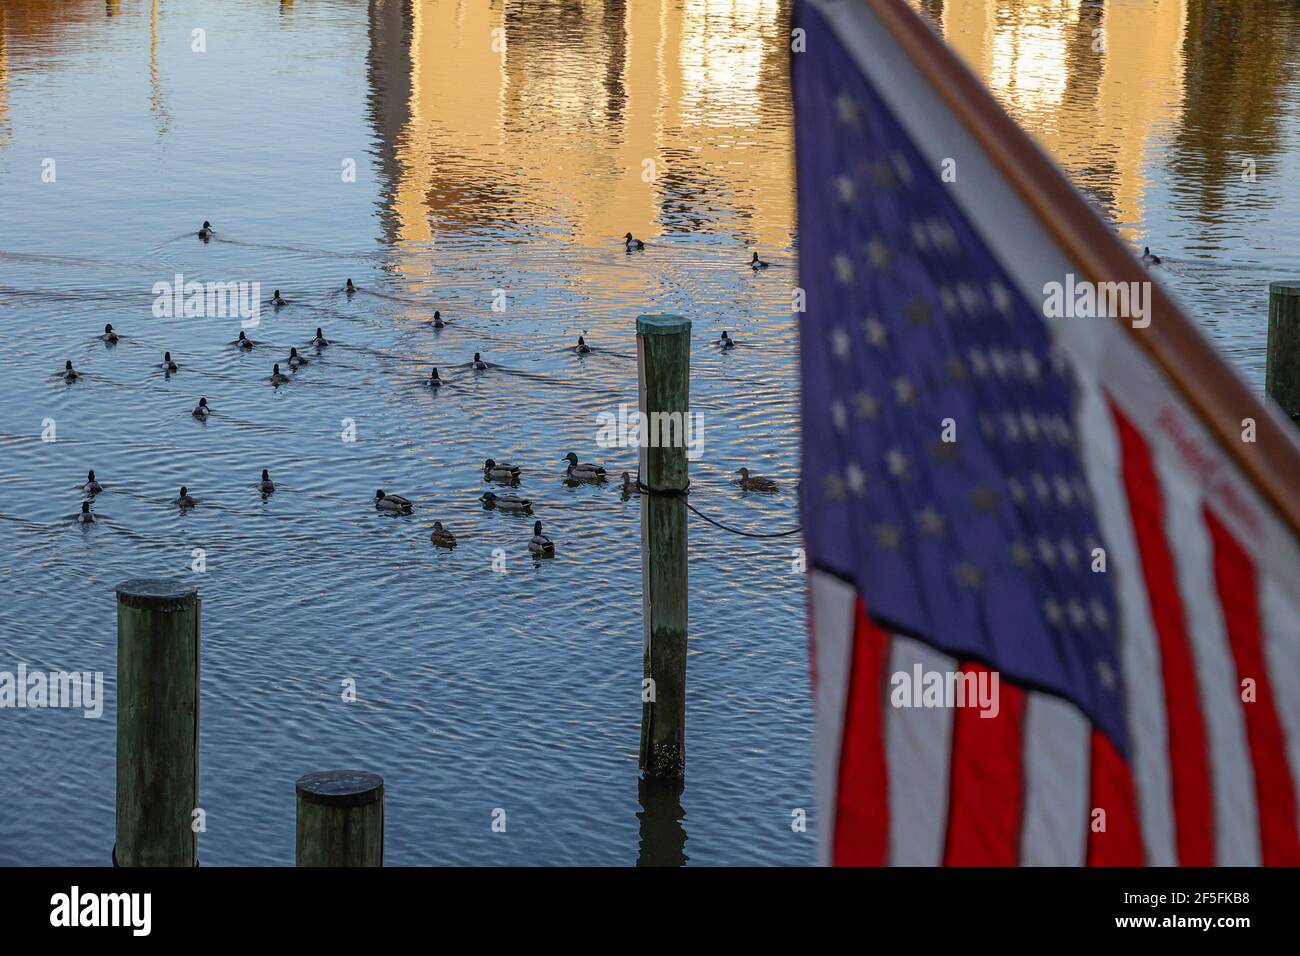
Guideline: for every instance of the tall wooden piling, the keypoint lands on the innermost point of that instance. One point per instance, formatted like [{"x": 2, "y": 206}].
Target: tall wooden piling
[
  {"x": 157, "y": 723},
  {"x": 1282, "y": 371},
  {"x": 663, "y": 344},
  {"x": 340, "y": 819}
]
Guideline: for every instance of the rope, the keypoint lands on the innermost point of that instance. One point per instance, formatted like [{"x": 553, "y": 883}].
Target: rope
[{"x": 683, "y": 492}]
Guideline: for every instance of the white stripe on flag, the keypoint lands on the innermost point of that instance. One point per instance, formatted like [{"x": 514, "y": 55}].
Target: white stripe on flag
[
  {"x": 1139, "y": 651},
  {"x": 834, "y": 605},
  {"x": 1236, "y": 817},
  {"x": 1058, "y": 743},
  {"x": 918, "y": 752},
  {"x": 1281, "y": 624}
]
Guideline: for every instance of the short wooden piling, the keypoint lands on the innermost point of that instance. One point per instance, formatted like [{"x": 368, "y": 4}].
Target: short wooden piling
[
  {"x": 664, "y": 374},
  {"x": 1282, "y": 369},
  {"x": 157, "y": 723},
  {"x": 340, "y": 819}
]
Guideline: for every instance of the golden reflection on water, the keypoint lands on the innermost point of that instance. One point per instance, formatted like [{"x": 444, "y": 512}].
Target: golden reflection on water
[{"x": 592, "y": 115}]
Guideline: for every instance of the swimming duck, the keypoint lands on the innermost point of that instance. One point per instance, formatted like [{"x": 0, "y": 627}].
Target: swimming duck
[
  {"x": 201, "y": 410},
  {"x": 500, "y": 470},
  {"x": 277, "y": 300},
  {"x": 168, "y": 365},
  {"x": 109, "y": 335},
  {"x": 628, "y": 486},
  {"x": 478, "y": 363},
  {"x": 295, "y": 359},
  {"x": 184, "y": 500},
  {"x": 511, "y": 503},
  {"x": 85, "y": 517},
  {"x": 206, "y": 232},
  {"x": 320, "y": 341},
  {"x": 441, "y": 537},
  {"x": 584, "y": 472},
  {"x": 540, "y": 543},
  {"x": 726, "y": 342},
  {"x": 244, "y": 342},
  {"x": 437, "y": 320},
  {"x": 350, "y": 288},
  {"x": 755, "y": 483},
  {"x": 1148, "y": 257},
  {"x": 278, "y": 379},
  {"x": 582, "y": 347},
  {"x": 70, "y": 374},
  {"x": 433, "y": 381},
  {"x": 92, "y": 487},
  {"x": 629, "y": 243},
  {"x": 266, "y": 485},
  {"x": 756, "y": 263},
  {"x": 394, "y": 503}
]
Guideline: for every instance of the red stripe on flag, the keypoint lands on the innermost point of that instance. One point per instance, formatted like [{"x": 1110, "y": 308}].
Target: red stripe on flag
[
  {"x": 987, "y": 781},
  {"x": 862, "y": 802},
  {"x": 1111, "y": 790},
  {"x": 1234, "y": 576},
  {"x": 1189, "y": 762}
]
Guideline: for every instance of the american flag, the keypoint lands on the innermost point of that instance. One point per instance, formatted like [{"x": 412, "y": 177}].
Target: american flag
[{"x": 1067, "y": 504}]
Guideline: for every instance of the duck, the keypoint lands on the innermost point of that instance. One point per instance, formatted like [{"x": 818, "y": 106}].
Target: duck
[
  {"x": 70, "y": 374},
  {"x": 266, "y": 485},
  {"x": 277, "y": 379},
  {"x": 109, "y": 335},
  {"x": 582, "y": 347},
  {"x": 437, "y": 320},
  {"x": 295, "y": 359},
  {"x": 243, "y": 342},
  {"x": 500, "y": 470},
  {"x": 629, "y": 486},
  {"x": 206, "y": 232},
  {"x": 1148, "y": 257},
  {"x": 201, "y": 410},
  {"x": 394, "y": 503},
  {"x": 184, "y": 500},
  {"x": 584, "y": 472},
  {"x": 755, "y": 483},
  {"x": 277, "y": 300},
  {"x": 441, "y": 537},
  {"x": 511, "y": 503},
  {"x": 85, "y": 517},
  {"x": 756, "y": 263},
  {"x": 168, "y": 365},
  {"x": 320, "y": 341},
  {"x": 726, "y": 342},
  {"x": 478, "y": 362},
  {"x": 540, "y": 543},
  {"x": 349, "y": 288},
  {"x": 629, "y": 243},
  {"x": 433, "y": 380},
  {"x": 91, "y": 487}
]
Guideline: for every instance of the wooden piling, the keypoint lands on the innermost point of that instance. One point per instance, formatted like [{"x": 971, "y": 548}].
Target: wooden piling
[
  {"x": 663, "y": 378},
  {"x": 340, "y": 819},
  {"x": 1282, "y": 371},
  {"x": 157, "y": 723}
]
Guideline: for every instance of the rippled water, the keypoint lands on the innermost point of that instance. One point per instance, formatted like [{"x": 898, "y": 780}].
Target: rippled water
[{"x": 501, "y": 150}]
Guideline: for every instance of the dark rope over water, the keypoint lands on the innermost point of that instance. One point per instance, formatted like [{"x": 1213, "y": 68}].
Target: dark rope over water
[{"x": 683, "y": 492}]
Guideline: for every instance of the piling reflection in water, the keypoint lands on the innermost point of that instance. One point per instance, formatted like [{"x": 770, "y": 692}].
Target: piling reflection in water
[{"x": 662, "y": 835}]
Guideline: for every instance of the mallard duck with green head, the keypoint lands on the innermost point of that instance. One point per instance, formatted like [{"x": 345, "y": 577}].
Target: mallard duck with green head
[
  {"x": 582, "y": 472},
  {"x": 395, "y": 504},
  {"x": 500, "y": 471},
  {"x": 540, "y": 544}
]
